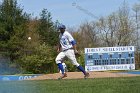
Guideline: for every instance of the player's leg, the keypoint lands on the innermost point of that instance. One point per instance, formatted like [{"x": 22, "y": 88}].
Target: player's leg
[
  {"x": 70, "y": 54},
  {"x": 59, "y": 60}
]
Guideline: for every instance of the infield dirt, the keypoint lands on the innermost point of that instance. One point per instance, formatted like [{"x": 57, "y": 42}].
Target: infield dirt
[{"x": 79, "y": 75}]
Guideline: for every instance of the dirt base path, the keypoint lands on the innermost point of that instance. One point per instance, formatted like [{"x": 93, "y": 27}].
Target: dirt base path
[{"x": 79, "y": 75}]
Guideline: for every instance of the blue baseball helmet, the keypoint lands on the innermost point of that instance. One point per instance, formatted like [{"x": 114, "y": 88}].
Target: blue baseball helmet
[{"x": 61, "y": 27}]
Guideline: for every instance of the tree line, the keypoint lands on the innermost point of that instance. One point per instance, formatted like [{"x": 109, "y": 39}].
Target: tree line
[{"x": 37, "y": 55}]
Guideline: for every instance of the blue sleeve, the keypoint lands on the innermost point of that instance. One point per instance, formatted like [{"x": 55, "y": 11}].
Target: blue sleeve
[{"x": 73, "y": 42}]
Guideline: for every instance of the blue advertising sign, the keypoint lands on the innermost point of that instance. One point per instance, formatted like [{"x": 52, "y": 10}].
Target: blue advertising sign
[{"x": 17, "y": 77}]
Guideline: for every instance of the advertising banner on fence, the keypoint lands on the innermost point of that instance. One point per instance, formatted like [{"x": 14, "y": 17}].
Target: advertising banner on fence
[{"x": 17, "y": 77}]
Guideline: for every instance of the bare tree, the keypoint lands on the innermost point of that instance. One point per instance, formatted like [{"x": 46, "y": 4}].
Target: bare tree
[
  {"x": 106, "y": 30},
  {"x": 88, "y": 34},
  {"x": 117, "y": 29},
  {"x": 136, "y": 16},
  {"x": 126, "y": 30}
]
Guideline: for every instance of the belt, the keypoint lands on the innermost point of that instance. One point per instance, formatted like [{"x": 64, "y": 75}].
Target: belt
[{"x": 67, "y": 49}]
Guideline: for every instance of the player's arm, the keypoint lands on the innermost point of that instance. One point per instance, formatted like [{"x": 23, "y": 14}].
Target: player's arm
[
  {"x": 73, "y": 42},
  {"x": 77, "y": 54},
  {"x": 74, "y": 46}
]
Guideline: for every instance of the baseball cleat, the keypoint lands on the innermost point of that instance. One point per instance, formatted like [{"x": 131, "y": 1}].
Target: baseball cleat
[
  {"x": 63, "y": 76},
  {"x": 86, "y": 75}
]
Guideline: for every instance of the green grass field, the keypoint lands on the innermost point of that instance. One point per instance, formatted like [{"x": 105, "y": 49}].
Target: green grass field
[{"x": 106, "y": 85}]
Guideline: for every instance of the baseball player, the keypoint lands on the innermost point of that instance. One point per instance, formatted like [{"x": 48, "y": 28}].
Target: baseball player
[{"x": 67, "y": 48}]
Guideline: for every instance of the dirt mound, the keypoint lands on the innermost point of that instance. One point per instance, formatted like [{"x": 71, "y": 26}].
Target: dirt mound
[{"x": 79, "y": 75}]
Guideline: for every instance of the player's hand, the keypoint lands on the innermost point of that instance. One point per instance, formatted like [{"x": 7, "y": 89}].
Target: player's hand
[
  {"x": 75, "y": 51},
  {"x": 58, "y": 50},
  {"x": 77, "y": 54}
]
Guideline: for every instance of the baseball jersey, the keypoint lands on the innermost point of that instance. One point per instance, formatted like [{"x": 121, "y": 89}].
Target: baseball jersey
[{"x": 65, "y": 40}]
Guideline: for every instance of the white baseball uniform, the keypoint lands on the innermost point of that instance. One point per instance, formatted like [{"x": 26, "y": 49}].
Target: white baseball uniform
[{"x": 67, "y": 48}]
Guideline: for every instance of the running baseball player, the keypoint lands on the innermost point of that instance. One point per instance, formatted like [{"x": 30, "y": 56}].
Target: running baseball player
[{"x": 67, "y": 48}]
